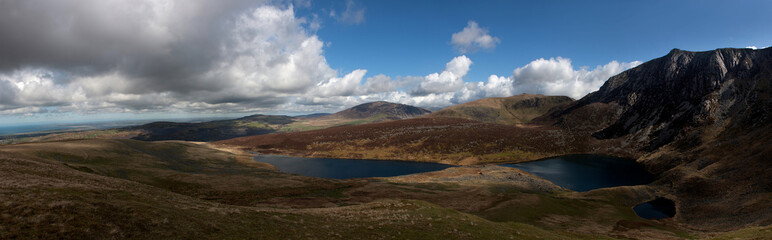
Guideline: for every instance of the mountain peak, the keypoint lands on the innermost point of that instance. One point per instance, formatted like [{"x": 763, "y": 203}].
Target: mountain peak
[
  {"x": 659, "y": 98},
  {"x": 385, "y": 109}
]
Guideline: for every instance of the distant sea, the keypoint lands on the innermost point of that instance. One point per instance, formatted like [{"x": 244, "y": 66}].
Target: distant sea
[
  {"x": 62, "y": 127},
  {"x": 4, "y": 130}
]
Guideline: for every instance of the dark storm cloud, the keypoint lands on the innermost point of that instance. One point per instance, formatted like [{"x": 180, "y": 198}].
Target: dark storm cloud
[
  {"x": 161, "y": 50},
  {"x": 92, "y": 56},
  {"x": 149, "y": 54},
  {"x": 7, "y": 93}
]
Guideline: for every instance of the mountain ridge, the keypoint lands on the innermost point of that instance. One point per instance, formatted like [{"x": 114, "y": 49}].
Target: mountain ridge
[
  {"x": 515, "y": 109},
  {"x": 701, "y": 121},
  {"x": 392, "y": 111}
]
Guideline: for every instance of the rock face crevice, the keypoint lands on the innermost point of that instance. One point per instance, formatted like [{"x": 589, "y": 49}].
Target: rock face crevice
[
  {"x": 701, "y": 120},
  {"x": 661, "y": 99}
]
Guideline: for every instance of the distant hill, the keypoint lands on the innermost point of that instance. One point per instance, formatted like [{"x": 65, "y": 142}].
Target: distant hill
[
  {"x": 265, "y": 124},
  {"x": 381, "y": 109},
  {"x": 213, "y": 130},
  {"x": 246, "y": 126},
  {"x": 505, "y": 110},
  {"x": 313, "y": 115}
]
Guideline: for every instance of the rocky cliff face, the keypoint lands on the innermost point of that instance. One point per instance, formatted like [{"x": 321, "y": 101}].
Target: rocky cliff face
[
  {"x": 669, "y": 96},
  {"x": 702, "y": 121}
]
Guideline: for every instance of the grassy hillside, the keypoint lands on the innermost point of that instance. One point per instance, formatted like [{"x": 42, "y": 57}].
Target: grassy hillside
[
  {"x": 505, "y": 110},
  {"x": 245, "y": 126},
  {"x": 437, "y": 139},
  {"x": 133, "y": 189},
  {"x": 709, "y": 142},
  {"x": 388, "y": 110}
]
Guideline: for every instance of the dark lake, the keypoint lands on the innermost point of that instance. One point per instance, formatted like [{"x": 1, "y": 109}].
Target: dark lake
[
  {"x": 586, "y": 172},
  {"x": 347, "y": 168},
  {"x": 656, "y": 209}
]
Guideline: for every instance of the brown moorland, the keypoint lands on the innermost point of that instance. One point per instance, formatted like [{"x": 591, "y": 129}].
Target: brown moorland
[
  {"x": 436, "y": 139},
  {"x": 700, "y": 120},
  {"x": 140, "y": 190},
  {"x": 516, "y": 109}
]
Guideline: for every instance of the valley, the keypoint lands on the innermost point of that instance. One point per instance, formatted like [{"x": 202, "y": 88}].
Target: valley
[
  {"x": 184, "y": 189},
  {"x": 704, "y": 148}
]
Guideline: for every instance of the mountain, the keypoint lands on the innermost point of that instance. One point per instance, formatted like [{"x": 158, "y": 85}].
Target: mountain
[
  {"x": 382, "y": 110},
  {"x": 265, "y": 124},
  {"x": 212, "y": 130},
  {"x": 701, "y": 121},
  {"x": 246, "y": 126},
  {"x": 505, "y": 110}
]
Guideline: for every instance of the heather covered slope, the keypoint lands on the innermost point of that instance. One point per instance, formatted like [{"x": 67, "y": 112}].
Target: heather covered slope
[
  {"x": 43, "y": 199},
  {"x": 212, "y": 130},
  {"x": 702, "y": 120},
  {"x": 504, "y": 110},
  {"x": 392, "y": 111},
  {"x": 434, "y": 139},
  {"x": 133, "y": 189},
  {"x": 371, "y": 112}
]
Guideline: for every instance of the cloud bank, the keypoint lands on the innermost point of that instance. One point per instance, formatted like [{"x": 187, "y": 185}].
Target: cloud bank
[{"x": 93, "y": 56}]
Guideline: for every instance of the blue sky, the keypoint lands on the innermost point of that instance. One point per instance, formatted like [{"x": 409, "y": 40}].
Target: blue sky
[
  {"x": 413, "y": 37},
  {"x": 82, "y": 60}
]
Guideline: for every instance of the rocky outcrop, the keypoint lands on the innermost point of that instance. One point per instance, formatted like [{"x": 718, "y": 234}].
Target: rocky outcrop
[
  {"x": 669, "y": 96},
  {"x": 701, "y": 121}
]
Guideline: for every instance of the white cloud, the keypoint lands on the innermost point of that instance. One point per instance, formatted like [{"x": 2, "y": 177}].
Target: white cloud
[
  {"x": 557, "y": 76},
  {"x": 446, "y": 81},
  {"x": 346, "y": 86},
  {"x": 554, "y": 76},
  {"x": 271, "y": 51},
  {"x": 36, "y": 87},
  {"x": 473, "y": 38},
  {"x": 302, "y": 3},
  {"x": 202, "y": 56},
  {"x": 497, "y": 86},
  {"x": 264, "y": 57},
  {"x": 380, "y": 83},
  {"x": 752, "y": 47},
  {"x": 353, "y": 14}
]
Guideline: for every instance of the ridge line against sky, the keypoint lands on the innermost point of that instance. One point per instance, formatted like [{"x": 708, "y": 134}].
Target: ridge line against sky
[{"x": 90, "y": 59}]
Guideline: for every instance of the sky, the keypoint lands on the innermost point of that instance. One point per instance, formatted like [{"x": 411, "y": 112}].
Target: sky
[{"x": 89, "y": 60}]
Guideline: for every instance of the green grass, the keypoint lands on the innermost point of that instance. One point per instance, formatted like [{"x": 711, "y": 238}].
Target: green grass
[
  {"x": 747, "y": 233},
  {"x": 336, "y": 193},
  {"x": 255, "y": 125},
  {"x": 176, "y": 190},
  {"x": 545, "y": 205},
  {"x": 299, "y": 127},
  {"x": 371, "y": 119}
]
